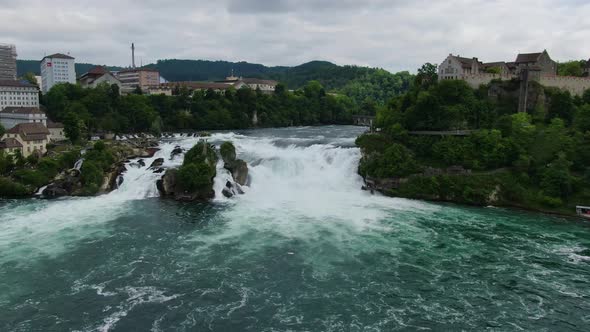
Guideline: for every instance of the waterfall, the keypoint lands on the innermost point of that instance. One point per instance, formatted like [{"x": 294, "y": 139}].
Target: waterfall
[{"x": 78, "y": 164}]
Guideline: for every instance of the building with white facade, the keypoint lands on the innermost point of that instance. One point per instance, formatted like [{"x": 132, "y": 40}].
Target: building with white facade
[
  {"x": 29, "y": 138},
  {"x": 57, "y": 68},
  {"x": 12, "y": 116},
  {"x": 18, "y": 94},
  {"x": 7, "y": 62},
  {"x": 56, "y": 131}
]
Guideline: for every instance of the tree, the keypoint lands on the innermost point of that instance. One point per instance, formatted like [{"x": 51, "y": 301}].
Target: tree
[
  {"x": 427, "y": 75},
  {"x": 2, "y": 130},
  {"x": 571, "y": 68},
  {"x": 582, "y": 118},
  {"x": 72, "y": 127},
  {"x": 557, "y": 180},
  {"x": 30, "y": 77}
]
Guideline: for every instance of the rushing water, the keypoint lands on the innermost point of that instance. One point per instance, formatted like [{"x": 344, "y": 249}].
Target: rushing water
[{"x": 303, "y": 250}]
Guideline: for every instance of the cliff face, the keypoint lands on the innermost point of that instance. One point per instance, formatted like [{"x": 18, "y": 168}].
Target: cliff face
[{"x": 508, "y": 92}]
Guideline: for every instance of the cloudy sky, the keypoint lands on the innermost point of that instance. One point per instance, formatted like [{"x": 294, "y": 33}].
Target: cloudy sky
[{"x": 392, "y": 34}]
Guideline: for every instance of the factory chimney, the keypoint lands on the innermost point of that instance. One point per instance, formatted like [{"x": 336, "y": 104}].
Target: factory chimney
[{"x": 133, "y": 55}]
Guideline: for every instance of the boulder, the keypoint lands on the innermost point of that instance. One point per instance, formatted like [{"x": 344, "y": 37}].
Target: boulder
[
  {"x": 177, "y": 151},
  {"x": 54, "y": 191},
  {"x": 157, "y": 163},
  {"x": 160, "y": 170},
  {"x": 238, "y": 170},
  {"x": 112, "y": 178},
  {"x": 150, "y": 152},
  {"x": 141, "y": 163},
  {"x": 169, "y": 186}
]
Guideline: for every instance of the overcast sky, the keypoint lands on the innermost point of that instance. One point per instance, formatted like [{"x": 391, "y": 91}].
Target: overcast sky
[{"x": 392, "y": 34}]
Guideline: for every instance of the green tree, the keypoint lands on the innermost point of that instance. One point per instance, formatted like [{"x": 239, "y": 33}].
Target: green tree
[
  {"x": 557, "y": 180},
  {"x": 72, "y": 127},
  {"x": 571, "y": 68},
  {"x": 427, "y": 75},
  {"x": 30, "y": 77}
]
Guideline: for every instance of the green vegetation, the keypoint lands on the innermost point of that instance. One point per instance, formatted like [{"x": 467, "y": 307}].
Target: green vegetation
[
  {"x": 21, "y": 177},
  {"x": 571, "y": 68},
  {"x": 227, "y": 151},
  {"x": 357, "y": 83},
  {"x": 87, "y": 110},
  {"x": 32, "y": 66},
  {"x": 535, "y": 160},
  {"x": 97, "y": 162},
  {"x": 198, "y": 169}
]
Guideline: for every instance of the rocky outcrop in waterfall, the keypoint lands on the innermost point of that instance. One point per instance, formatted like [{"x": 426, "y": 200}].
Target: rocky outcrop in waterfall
[
  {"x": 193, "y": 181},
  {"x": 237, "y": 167}
]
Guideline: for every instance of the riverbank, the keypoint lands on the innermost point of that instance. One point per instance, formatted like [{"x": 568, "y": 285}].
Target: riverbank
[
  {"x": 72, "y": 170},
  {"x": 503, "y": 187},
  {"x": 304, "y": 249}
]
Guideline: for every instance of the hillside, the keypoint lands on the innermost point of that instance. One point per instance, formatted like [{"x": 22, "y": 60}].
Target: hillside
[
  {"x": 359, "y": 83},
  {"x": 26, "y": 66}
]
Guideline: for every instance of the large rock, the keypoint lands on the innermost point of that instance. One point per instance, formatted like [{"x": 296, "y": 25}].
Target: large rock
[
  {"x": 231, "y": 189},
  {"x": 238, "y": 170},
  {"x": 177, "y": 151},
  {"x": 237, "y": 167},
  {"x": 112, "y": 178},
  {"x": 170, "y": 186},
  {"x": 157, "y": 163}
]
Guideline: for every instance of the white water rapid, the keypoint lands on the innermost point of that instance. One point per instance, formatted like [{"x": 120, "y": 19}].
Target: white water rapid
[{"x": 296, "y": 183}]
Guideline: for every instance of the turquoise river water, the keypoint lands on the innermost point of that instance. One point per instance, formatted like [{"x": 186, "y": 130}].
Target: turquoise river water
[{"x": 303, "y": 250}]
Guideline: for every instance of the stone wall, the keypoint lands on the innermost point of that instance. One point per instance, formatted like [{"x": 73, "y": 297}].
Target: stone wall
[
  {"x": 575, "y": 85},
  {"x": 476, "y": 80}
]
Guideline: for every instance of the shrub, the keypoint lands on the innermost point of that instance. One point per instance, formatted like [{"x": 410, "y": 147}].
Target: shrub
[
  {"x": 31, "y": 177},
  {"x": 370, "y": 143},
  {"x": 228, "y": 152},
  {"x": 92, "y": 176},
  {"x": 200, "y": 153},
  {"x": 9, "y": 188},
  {"x": 195, "y": 176}
]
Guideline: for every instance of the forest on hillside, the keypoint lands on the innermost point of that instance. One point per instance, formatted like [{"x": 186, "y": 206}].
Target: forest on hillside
[{"x": 359, "y": 83}]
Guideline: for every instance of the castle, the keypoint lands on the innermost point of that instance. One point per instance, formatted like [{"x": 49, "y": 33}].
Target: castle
[{"x": 528, "y": 66}]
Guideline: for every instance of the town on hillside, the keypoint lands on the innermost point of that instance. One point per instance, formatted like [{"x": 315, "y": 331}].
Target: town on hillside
[{"x": 29, "y": 130}]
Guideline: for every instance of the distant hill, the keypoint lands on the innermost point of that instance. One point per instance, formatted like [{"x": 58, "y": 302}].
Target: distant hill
[
  {"x": 357, "y": 82},
  {"x": 33, "y": 66}
]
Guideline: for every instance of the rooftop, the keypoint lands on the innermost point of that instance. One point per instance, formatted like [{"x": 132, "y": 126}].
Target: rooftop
[
  {"x": 15, "y": 83},
  {"x": 29, "y": 129},
  {"x": 197, "y": 85},
  {"x": 528, "y": 57},
  {"x": 53, "y": 125},
  {"x": 58, "y": 56},
  {"x": 9, "y": 143},
  {"x": 21, "y": 110},
  {"x": 130, "y": 70}
]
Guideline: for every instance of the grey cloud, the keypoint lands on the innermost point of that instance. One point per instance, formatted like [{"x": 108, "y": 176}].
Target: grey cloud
[{"x": 395, "y": 35}]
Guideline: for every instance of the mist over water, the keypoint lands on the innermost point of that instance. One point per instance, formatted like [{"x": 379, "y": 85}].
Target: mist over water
[{"x": 303, "y": 249}]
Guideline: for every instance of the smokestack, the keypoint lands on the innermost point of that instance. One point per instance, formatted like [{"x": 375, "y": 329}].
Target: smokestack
[{"x": 133, "y": 55}]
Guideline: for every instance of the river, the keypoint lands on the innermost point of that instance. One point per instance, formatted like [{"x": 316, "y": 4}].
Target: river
[{"x": 303, "y": 250}]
